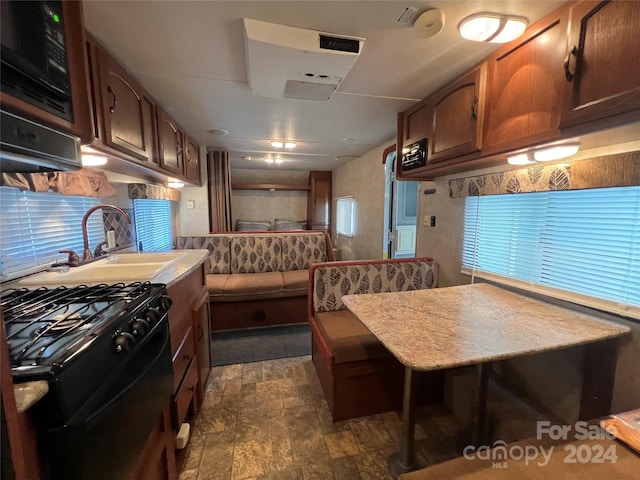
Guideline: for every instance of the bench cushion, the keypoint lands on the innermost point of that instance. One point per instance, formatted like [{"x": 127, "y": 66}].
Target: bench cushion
[
  {"x": 296, "y": 281},
  {"x": 348, "y": 339},
  {"x": 215, "y": 283},
  {"x": 238, "y": 287}
]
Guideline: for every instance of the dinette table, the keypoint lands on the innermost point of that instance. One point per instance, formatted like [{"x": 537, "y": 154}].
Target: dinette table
[{"x": 475, "y": 325}]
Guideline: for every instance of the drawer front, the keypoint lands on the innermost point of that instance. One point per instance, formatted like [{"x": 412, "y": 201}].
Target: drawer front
[
  {"x": 185, "y": 393},
  {"x": 182, "y": 358}
]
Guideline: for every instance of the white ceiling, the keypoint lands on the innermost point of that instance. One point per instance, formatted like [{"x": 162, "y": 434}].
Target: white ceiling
[{"x": 190, "y": 55}]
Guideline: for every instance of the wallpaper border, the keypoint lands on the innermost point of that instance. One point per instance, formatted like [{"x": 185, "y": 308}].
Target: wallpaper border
[{"x": 600, "y": 172}]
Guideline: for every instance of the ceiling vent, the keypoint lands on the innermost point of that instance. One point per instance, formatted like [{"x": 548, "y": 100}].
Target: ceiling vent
[{"x": 290, "y": 62}]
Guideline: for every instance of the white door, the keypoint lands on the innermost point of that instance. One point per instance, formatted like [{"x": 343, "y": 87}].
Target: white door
[{"x": 401, "y": 213}]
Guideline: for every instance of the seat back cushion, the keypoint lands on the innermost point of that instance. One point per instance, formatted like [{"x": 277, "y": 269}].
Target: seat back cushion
[
  {"x": 256, "y": 254},
  {"x": 331, "y": 283},
  {"x": 219, "y": 251},
  {"x": 299, "y": 251},
  {"x": 348, "y": 338}
]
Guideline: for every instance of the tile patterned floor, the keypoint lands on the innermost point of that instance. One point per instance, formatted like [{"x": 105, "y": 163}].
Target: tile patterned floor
[{"x": 269, "y": 421}]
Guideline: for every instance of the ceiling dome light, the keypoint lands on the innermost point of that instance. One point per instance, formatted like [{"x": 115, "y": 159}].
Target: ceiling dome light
[
  {"x": 556, "y": 152},
  {"x": 277, "y": 144},
  {"x": 492, "y": 27},
  {"x": 219, "y": 132},
  {"x": 91, "y": 160},
  {"x": 268, "y": 160},
  {"x": 290, "y": 145},
  {"x": 279, "y": 160}
]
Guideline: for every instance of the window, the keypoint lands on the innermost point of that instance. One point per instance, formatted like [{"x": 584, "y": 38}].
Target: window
[
  {"x": 154, "y": 227},
  {"x": 580, "y": 245},
  {"x": 35, "y": 226},
  {"x": 345, "y": 216}
]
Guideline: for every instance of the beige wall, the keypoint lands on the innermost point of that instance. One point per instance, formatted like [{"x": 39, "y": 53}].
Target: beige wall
[
  {"x": 362, "y": 178},
  {"x": 267, "y": 205}
]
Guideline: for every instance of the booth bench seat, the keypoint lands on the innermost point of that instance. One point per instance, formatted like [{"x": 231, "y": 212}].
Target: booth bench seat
[
  {"x": 259, "y": 278},
  {"x": 359, "y": 376}
]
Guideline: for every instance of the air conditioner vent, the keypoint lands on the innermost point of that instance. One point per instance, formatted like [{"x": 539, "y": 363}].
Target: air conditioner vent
[
  {"x": 296, "y": 63},
  {"x": 339, "y": 44}
]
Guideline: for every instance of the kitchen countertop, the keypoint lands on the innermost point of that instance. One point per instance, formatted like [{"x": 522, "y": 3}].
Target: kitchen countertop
[
  {"x": 29, "y": 393},
  {"x": 182, "y": 267},
  {"x": 470, "y": 324}
]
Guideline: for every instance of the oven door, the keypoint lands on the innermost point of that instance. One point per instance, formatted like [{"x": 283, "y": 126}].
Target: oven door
[{"x": 103, "y": 438}]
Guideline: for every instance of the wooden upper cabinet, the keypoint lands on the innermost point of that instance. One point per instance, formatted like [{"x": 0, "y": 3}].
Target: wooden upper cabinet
[
  {"x": 602, "y": 61},
  {"x": 415, "y": 123},
  {"x": 170, "y": 142},
  {"x": 458, "y": 112},
  {"x": 319, "y": 201},
  {"x": 126, "y": 112},
  {"x": 525, "y": 87},
  {"x": 192, "y": 160}
]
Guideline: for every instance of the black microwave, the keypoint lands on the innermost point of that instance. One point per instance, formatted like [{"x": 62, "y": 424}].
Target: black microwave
[{"x": 34, "y": 57}]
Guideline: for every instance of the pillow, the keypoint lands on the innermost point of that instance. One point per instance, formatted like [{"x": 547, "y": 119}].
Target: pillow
[
  {"x": 253, "y": 225},
  {"x": 283, "y": 224}
]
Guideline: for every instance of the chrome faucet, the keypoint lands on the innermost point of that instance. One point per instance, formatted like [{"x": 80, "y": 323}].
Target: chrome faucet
[{"x": 86, "y": 254}]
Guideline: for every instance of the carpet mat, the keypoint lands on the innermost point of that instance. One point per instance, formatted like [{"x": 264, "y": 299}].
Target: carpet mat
[{"x": 258, "y": 344}]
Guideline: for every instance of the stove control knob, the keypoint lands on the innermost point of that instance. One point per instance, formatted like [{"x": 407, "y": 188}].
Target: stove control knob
[
  {"x": 124, "y": 342},
  {"x": 165, "y": 303},
  {"x": 152, "y": 315},
  {"x": 139, "y": 327}
]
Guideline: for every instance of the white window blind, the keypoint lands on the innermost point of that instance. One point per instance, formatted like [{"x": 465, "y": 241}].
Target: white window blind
[
  {"x": 345, "y": 216},
  {"x": 579, "y": 245},
  {"x": 154, "y": 228},
  {"x": 35, "y": 226}
]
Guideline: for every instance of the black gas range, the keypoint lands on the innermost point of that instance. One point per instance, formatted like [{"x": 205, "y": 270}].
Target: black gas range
[{"x": 105, "y": 352}]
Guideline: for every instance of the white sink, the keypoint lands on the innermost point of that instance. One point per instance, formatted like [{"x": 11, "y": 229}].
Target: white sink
[
  {"x": 97, "y": 273},
  {"x": 151, "y": 257},
  {"x": 122, "y": 267}
]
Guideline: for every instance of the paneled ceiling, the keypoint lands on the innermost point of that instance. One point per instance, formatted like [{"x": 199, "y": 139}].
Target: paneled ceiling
[{"x": 190, "y": 55}]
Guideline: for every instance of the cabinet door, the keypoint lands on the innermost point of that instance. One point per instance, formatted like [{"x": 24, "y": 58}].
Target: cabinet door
[
  {"x": 125, "y": 109},
  {"x": 458, "y": 117},
  {"x": 192, "y": 160},
  {"x": 525, "y": 85},
  {"x": 203, "y": 342},
  {"x": 170, "y": 141},
  {"x": 319, "y": 201},
  {"x": 602, "y": 66},
  {"x": 415, "y": 123}
]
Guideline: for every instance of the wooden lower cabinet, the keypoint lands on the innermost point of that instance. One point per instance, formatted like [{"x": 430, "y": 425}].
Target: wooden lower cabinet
[
  {"x": 190, "y": 347},
  {"x": 202, "y": 337}
]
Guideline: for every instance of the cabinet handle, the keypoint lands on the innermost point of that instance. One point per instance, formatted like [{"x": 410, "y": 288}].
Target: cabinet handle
[
  {"x": 568, "y": 74},
  {"x": 474, "y": 106},
  {"x": 114, "y": 102},
  {"x": 201, "y": 332}
]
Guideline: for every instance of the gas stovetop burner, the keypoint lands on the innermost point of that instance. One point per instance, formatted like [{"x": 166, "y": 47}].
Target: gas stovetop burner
[{"x": 47, "y": 327}]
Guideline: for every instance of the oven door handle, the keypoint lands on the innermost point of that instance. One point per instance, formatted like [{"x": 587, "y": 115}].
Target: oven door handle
[{"x": 88, "y": 419}]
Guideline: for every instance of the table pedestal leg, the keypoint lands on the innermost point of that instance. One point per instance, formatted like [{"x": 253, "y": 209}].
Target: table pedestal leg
[
  {"x": 404, "y": 461},
  {"x": 479, "y": 414}
]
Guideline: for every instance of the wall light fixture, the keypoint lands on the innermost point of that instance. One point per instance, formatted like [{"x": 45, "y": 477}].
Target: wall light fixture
[
  {"x": 92, "y": 160},
  {"x": 492, "y": 27},
  {"x": 546, "y": 153}
]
